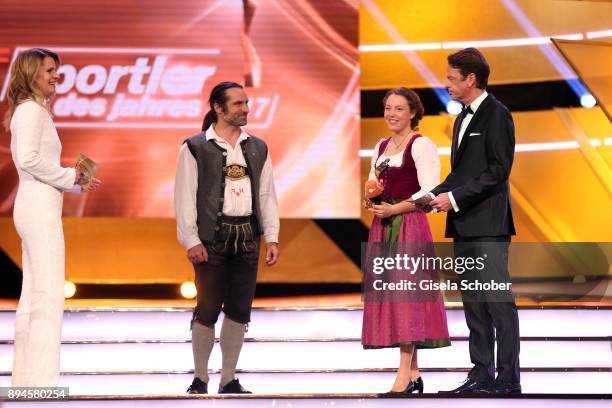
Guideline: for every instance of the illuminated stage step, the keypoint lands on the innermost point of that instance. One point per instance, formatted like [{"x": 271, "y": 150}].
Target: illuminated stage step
[
  {"x": 310, "y": 354},
  {"x": 173, "y": 324},
  {"x": 310, "y": 351},
  {"x": 325, "y": 401},
  {"x": 321, "y": 382}
]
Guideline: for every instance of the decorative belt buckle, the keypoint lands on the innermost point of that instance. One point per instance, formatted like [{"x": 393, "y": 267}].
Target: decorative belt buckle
[{"x": 235, "y": 172}]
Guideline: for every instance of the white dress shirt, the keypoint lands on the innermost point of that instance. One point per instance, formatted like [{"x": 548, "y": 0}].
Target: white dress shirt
[
  {"x": 467, "y": 119},
  {"x": 237, "y": 195},
  {"x": 464, "y": 124},
  {"x": 426, "y": 160}
]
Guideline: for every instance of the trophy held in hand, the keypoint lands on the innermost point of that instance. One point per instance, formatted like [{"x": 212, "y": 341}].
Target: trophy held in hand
[
  {"x": 374, "y": 188},
  {"x": 88, "y": 167}
]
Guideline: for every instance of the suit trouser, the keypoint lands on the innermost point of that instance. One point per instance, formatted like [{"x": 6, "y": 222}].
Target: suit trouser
[
  {"x": 38, "y": 321},
  {"x": 490, "y": 315},
  {"x": 229, "y": 277}
]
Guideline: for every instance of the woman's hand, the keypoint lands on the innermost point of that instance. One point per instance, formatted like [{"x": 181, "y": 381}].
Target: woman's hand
[
  {"x": 93, "y": 184},
  {"x": 79, "y": 176},
  {"x": 383, "y": 210}
]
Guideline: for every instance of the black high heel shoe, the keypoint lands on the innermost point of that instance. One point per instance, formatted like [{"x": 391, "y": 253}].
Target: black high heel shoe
[
  {"x": 417, "y": 386},
  {"x": 412, "y": 386}
]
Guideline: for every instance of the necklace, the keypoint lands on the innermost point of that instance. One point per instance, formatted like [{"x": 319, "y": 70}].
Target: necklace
[{"x": 397, "y": 145}]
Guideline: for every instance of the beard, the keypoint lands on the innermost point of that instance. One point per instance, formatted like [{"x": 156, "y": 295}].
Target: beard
[{"x": 237, "y": 120}]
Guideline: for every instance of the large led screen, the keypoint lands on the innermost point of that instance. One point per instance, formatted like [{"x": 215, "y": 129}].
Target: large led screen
[{"x": 135, "y": 78}]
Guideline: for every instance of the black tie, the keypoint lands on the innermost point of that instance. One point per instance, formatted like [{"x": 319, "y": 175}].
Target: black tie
[{"x": 467, "y": 109}]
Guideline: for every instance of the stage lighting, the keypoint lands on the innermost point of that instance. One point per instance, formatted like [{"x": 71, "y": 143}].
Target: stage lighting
[
  {"x": 188, "y": 290},
  {"x": 453, "y": 107},
  {"x": 69, "y": 289},
  {"x": 587, "y": 100}
]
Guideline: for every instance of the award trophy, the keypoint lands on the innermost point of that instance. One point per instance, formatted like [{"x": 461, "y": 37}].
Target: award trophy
[
  {"x": 89, "y": 169},
  {"x": 374, "y": 188}
]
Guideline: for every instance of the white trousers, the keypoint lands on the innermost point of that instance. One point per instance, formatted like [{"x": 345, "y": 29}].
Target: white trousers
[{"x": 38, "y": 321}]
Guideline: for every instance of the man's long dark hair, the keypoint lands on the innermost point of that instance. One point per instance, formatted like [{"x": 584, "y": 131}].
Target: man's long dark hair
[{"x": 218, "y": 95}]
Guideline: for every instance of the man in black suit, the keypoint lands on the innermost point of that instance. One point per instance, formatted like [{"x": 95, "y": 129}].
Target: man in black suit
[{"x": 476, "y": 196}]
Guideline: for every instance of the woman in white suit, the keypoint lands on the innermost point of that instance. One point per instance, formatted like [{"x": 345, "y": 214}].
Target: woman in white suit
[{"x": 36, "y": 149}]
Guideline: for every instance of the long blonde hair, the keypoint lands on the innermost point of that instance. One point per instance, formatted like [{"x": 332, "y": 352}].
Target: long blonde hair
[{"x": 22, "y": 81}]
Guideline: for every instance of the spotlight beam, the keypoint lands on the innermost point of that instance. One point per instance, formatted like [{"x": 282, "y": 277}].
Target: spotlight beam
[
  {"x": 410, "y": 55},
  {"x": 557, "y": 62}
]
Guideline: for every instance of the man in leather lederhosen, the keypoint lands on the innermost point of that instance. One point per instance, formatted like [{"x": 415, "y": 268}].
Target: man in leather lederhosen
[{"x": 224, "y": 200}]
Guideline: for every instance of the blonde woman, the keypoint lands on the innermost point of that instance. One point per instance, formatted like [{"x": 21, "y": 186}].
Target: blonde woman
[{"x": 36, "y": 149}]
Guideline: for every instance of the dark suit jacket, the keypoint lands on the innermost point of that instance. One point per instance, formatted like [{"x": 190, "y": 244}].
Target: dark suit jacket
[{"x": 480, "y": 170}]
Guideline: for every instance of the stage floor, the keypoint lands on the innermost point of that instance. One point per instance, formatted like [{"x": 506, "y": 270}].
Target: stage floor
[{"x": 315, "y": 301}]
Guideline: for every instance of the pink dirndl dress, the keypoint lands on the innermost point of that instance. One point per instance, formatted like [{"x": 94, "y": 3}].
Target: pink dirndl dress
[{"x": 389, "y": 321}]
